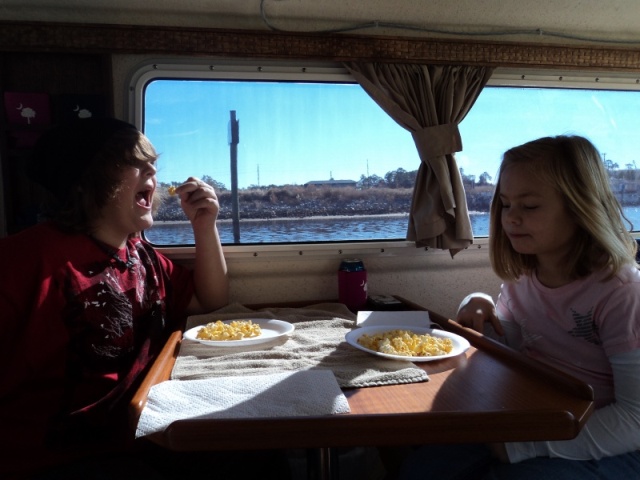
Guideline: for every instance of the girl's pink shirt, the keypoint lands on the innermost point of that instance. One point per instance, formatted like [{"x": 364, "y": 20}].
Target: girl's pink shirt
[{"x": 577, "y": 326}]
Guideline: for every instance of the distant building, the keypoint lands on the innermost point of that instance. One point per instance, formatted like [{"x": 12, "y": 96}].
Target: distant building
[{"x": 331, "y": 183}]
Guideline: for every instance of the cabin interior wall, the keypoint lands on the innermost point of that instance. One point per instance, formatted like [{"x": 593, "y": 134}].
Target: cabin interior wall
[
  {"x": 432, "y": 278},
  {"x": 55, "y": 74}
]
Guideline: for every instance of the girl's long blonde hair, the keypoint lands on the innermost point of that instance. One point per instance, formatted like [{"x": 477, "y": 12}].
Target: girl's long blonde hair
[{"x": 573, "y": 166}]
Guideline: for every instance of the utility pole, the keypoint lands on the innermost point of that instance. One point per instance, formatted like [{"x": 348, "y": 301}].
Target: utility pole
[{"x": 234, "y": 139}]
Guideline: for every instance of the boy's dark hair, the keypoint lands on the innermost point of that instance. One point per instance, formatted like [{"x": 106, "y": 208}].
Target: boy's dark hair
[{"x": 80, "y": 165}]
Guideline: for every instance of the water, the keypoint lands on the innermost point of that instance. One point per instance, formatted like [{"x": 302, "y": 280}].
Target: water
[{"x": 334, "y": 229}]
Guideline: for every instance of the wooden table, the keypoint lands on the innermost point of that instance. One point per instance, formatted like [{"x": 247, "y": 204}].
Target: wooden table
[{"x": 488, "y": 394}]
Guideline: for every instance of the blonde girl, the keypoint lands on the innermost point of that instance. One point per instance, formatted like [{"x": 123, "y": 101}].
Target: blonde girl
[{"x": 571, "y": 299}]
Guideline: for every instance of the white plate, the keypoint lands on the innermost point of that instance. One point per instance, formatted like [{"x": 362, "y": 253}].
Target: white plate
[
  {"x": 271, "y": 329},
  {"x": 460, "y": 345}
]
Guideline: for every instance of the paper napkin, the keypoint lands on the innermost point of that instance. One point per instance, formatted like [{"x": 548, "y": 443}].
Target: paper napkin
[
  {"x": 309, "y": 392},
  {"x": 409, "y": 318}
]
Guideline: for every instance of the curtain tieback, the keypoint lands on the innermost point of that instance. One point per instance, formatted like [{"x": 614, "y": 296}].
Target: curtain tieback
[{"x": 438, "y": 140}]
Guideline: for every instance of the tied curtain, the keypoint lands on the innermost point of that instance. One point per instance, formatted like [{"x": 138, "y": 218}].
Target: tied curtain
[{"x": 430, "y": 101}]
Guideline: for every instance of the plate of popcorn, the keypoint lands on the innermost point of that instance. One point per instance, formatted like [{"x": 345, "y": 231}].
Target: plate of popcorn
[
  {"x": 234, "y": 333},
  {"x": 413, "y": 344}
]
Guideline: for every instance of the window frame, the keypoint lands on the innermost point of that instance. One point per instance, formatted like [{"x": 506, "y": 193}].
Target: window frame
[
  {"x": 285, "y": 71},
  {"x": 229, "y": 69}
]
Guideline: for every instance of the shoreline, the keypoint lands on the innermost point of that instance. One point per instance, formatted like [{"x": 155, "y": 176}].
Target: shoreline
[
  {"x": 290, "y": 219},
  {"x": 313, "y": 217}
]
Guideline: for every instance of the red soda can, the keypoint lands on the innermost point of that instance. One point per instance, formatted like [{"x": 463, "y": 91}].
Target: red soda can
[{"x": 352, "y": 284}]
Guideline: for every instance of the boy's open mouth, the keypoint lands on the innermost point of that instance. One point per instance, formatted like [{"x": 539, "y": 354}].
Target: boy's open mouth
[{"x": 143, "y": 198}]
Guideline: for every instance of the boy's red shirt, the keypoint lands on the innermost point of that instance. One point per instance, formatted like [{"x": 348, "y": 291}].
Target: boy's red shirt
[{"x": 77, "y": 329}]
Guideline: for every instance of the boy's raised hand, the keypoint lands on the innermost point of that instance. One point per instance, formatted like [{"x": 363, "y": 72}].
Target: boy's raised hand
[{"x": 198, "y": 199}]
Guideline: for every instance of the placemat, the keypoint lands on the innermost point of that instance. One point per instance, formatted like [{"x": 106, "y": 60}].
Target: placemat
[{"x": 316, "y": 343}]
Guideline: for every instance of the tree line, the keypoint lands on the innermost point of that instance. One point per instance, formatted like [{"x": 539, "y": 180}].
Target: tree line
[{"x": 399, "y": 178}]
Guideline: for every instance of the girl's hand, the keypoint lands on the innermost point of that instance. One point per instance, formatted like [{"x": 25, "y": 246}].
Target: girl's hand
[
  {"x": 198, "y": 200},
  {"x": 476, "y": 312}
]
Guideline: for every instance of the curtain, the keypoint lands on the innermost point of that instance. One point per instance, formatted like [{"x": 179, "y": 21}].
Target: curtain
[{"x": 430, "y": 101}]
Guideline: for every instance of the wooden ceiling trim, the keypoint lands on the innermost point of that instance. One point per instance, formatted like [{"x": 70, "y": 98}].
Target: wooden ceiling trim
[{"x": 93, "y": 38}]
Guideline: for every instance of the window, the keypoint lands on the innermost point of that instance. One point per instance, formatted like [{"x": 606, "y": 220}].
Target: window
[
  {"x": 516, "y": 108},
  {"x": 315, "y": 160}
]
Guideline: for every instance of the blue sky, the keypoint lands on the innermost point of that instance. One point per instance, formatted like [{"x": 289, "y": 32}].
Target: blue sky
[
  {"x": 503, "y": 118},
  {"x": 292, "y": 133}
]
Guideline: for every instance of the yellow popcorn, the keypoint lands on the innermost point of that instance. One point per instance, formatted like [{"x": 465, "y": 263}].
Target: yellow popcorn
[
  {"x": 235, "y": 330},
  {"x": 171, "y": 190},
  {"x": 406, "y": 343}
]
